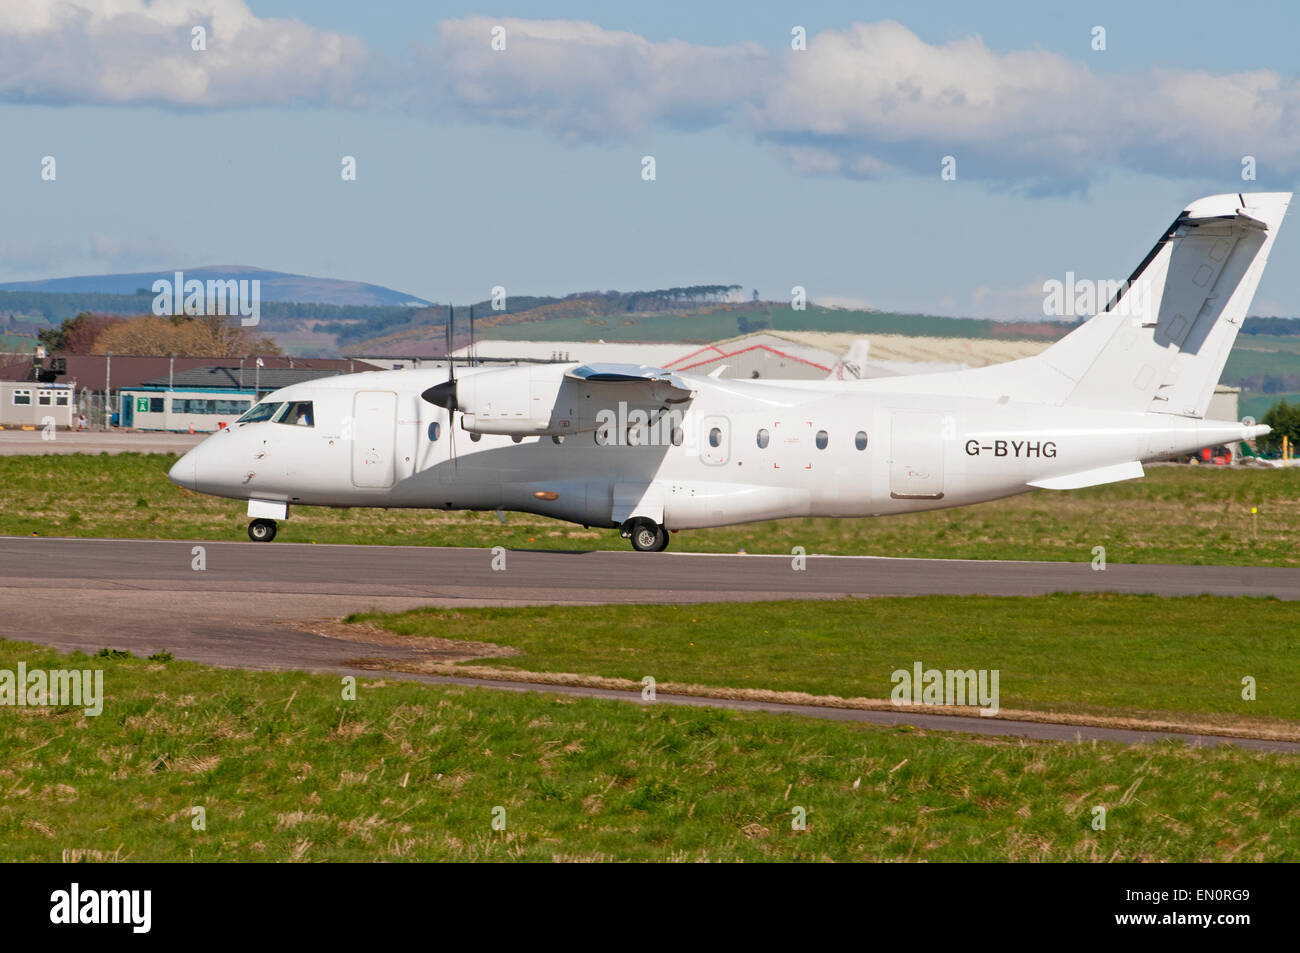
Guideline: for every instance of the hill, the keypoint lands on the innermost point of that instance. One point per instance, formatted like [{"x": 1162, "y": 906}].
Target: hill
[
  {"x": 275, "y": 286},
  {"x": 641, "y": 316}
]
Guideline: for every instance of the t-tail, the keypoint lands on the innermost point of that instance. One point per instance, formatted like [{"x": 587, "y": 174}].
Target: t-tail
[{"x": 1161, "y": 342}]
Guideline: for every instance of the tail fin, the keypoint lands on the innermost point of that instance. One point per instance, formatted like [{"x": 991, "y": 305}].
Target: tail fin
[{"x": 1161, "y": 343}]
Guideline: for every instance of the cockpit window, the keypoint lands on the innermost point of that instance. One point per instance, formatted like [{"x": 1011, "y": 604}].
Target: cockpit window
[
  {"x": 260, "y": 412},
  {"x": 298, "y": 413}
]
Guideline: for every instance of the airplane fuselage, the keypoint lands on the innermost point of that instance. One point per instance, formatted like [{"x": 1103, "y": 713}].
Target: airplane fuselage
[{"x": 741, "y": 451}]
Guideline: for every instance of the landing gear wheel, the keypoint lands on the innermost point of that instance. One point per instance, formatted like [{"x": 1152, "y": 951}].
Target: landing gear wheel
[
  {"x": 648, "y": 537},
  {"x": 261, "y": 531}
]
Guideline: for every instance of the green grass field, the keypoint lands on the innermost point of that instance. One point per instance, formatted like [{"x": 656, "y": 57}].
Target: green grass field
[
  {"x": 285, "y": 769},
  {"x": 1179, "y": 660},
  {"x": 1173, "y": 515}
]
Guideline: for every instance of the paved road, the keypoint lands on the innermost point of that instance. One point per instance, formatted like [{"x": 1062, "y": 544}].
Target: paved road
[
  {"x": 246, "y": 608},
  {"x": 32, "y": 442}
]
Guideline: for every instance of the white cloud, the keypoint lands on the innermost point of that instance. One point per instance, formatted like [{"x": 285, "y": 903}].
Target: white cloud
[
  {"x": 867, "y": 101},
  {"x": 581, "y": 81},
  {"x": 876, "y": 91},
  {"x": 93, "y": 254},
  {"x": 1024, "y": 303},
  {"x": 130, "y": 52}
]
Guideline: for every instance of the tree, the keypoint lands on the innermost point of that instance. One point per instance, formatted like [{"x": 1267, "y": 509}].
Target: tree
[
  {"x": 77, "y": 335},
  {"x": 1284, "y": 418},
  {"x": 185, "y": 336}
]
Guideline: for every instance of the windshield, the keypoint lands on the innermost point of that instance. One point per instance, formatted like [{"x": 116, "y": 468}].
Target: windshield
[
  {"x": 298, "y": 413},
  {"x": 260, "y": 412}
]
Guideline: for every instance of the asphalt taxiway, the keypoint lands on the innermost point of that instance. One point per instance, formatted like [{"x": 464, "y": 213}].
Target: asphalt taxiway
[{"x": 248, "y": 606}]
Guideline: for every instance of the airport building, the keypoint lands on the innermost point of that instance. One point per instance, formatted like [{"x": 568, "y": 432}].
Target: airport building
[
  {"x": 99, "y": 382},
  {"x": 32, "y": 404},
  {"x": 205, "y": 399}
]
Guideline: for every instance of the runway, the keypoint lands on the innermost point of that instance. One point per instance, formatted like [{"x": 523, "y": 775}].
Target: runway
[
  {"x": 591, "y": 576},
  {"x": 245, "y": 608},
  {"x": 27, "y": 443}
]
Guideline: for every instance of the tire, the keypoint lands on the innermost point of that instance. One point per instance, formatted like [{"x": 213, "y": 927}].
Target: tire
[
  {"x": 648, "y": 537},
  {"x": 261, "y": 531}
]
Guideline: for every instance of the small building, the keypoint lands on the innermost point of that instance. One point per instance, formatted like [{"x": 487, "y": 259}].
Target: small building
[
  {"x": 205, "y": 399},
  {"x": 155, "y": 407},
  {"x": 24, "y": 404}
]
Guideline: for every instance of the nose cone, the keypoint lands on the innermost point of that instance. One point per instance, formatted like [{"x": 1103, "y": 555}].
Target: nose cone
[{"x": 184, "y": 472}]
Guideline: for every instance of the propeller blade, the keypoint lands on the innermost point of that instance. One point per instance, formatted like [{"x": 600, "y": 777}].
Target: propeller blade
[
  {"x": 444, "y": 395},
  {"x": 451, "y": 320}
]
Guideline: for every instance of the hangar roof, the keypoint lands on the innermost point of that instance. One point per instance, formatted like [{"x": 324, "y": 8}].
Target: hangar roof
[
  {"x": 89, "y": 371},
  {"x": 229, "y": 378}
]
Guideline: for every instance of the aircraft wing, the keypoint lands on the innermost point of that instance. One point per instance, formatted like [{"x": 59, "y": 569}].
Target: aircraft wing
[
  {"x": 552, "y": 400},
  {"x": 637, "y": 383}
]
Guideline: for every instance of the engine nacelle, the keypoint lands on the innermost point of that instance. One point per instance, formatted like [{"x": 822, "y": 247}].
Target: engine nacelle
[
  {"x": 522, "y": 401},
  {"x": 556, "y": 399}
]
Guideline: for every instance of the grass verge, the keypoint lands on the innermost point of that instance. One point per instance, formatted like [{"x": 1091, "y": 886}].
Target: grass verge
[
  {"x": 1197, "y": 515},
  {"x": 1173, "y": 660},
  {"x": 286, "y": 770}
]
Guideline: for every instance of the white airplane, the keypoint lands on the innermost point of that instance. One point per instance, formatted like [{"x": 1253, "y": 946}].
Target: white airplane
[{"x": 650, "y": 451}]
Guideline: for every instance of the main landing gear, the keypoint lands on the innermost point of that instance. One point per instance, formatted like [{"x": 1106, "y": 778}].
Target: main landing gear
[
  {"x": 646, "y": 535},
  {"x": 261, "y": 531}
]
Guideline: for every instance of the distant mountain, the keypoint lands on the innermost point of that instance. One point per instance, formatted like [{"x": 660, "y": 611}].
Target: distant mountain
[{"x": 276, "y": 286}]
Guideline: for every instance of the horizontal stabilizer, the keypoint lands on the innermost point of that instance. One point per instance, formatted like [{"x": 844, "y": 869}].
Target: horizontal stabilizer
[{"x": 1075, "y": 481}]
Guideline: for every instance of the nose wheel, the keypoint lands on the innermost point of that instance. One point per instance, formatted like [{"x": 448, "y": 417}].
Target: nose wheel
[
  {"x": 261, "y": 531},
  {"x": 646, "y": 536}
]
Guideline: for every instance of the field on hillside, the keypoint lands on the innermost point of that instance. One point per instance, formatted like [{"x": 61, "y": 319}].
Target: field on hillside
[
  {"x": 1174, "y": 515},
  {"x": 712, "y": 323},
  {"x": 192, "y": 763}
]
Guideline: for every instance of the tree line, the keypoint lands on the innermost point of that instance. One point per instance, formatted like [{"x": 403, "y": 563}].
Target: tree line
[{"x": 149, "y": 335}]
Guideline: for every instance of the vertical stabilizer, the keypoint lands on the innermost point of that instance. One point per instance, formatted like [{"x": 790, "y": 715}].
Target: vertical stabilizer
[{"x": 1161, "y": 343}]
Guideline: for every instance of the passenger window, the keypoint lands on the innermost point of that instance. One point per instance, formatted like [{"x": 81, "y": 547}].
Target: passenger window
[
  {"x": 822, "y": 439},
  {"x": 762, "y": 439},
  {"x": 860, "y": 441},
  {"x": 677, "y": 436},
  {"x": 715, "y": 437},
  {"x": 435, "y": 428},
  {"x": 299, "y": 414}
]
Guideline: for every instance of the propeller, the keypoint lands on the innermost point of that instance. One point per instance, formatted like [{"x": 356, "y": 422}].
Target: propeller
[
  {"x": 444, "y": 394},
  {"x": 473, "y": 356}
]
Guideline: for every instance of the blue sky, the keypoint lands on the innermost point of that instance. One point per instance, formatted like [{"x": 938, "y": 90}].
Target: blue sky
[{"x": 522, "y": 168}]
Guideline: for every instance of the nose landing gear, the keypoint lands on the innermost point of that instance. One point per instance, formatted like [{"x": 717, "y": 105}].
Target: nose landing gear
[
  {"x": 646, "y": 535},
  {"x": 261, "y": 530}
]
